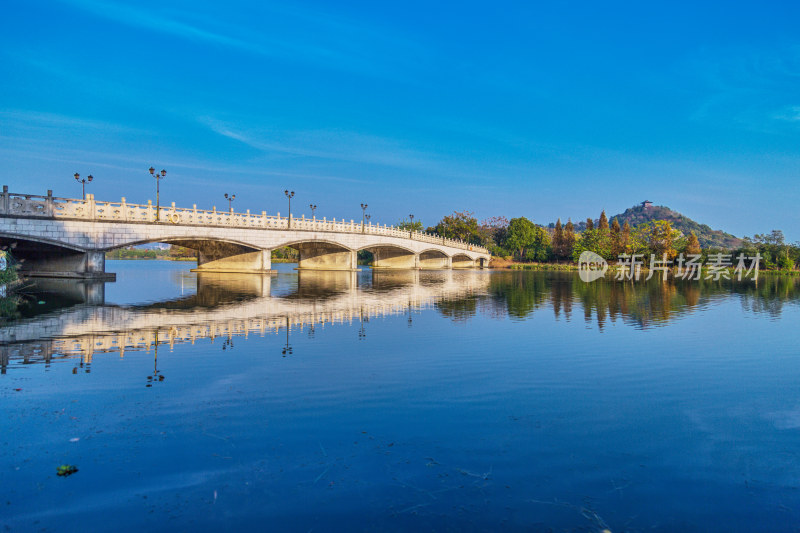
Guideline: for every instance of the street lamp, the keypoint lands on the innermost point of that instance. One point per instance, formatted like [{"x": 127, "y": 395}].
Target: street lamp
[
  {"x": 363, "y": 213},
  {"x": 411, "y": 233},
  {"x": 83, "y": 182},
  {"x": 158, "y": 176},
  {"x": 230, "y": 199},
  {"x": 289, "y": 195},
  {"x": 313, "y": 208}
]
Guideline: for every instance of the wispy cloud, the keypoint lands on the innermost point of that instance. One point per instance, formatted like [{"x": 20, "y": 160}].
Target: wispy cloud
[
  {"x": 26, "y": 119},
  {"x": 791, "y": 113},
  {"x": 284, "y": 33},
  {"x": 340, "y": 145}
]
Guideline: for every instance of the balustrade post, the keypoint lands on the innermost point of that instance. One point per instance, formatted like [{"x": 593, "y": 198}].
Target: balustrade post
[
  {"x": 92, "y": 209},
  {"x": 124, "y": 207},
  {"x": 48, "y": 205},
  {"x": 264, "y": 218},
  {"x": 149, "y": 210}
]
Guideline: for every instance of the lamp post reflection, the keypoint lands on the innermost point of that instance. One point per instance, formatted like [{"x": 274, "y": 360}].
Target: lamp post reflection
[
  {"x": 287, "y": 350},
  {"x": 156, "y": 377},
  {"x": 362, "y": 334}
]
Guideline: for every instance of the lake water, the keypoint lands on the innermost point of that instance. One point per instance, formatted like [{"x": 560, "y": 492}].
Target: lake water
[{"x": 405, "y": 401}]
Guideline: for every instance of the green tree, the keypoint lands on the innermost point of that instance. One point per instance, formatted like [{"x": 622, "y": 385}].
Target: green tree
[
  {"x": 558, "y": 240},
  {"x": 529, "y": 240},
  {"x": 407, "y": 225},
  {"x": 593, "y": 240},
  {"x": 785, "y": 262},
  {"x": 460, "y": 225}
]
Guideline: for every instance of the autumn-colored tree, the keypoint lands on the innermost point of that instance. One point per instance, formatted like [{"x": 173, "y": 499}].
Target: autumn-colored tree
[
  {"x": 693, "y": 245},
  {"x": 616, "y": 238},
  {"x": 602, "y": 224},
  {"x": 625, "y": 238},
  {"x": 661, "y": 238},
  {"x": 589, "y": 223},
  {"x": 569, "y": 239},
  {"x": 493, "y": 230},
  {"x": 558, "y": 240}
]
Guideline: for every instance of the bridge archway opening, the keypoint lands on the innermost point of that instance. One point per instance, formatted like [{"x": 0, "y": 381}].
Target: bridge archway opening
[
  {"x": 434, "y": 260},
  {"x": 463, "y": 261},
  {"x": 43, "y": 257},
  {"x": 392, "y": 257},
  {"x": 215, "y": 255},
  {"x": 324, "y": 255}
]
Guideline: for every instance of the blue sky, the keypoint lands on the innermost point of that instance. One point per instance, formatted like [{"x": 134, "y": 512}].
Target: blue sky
[{"x": 542, "y": 110}]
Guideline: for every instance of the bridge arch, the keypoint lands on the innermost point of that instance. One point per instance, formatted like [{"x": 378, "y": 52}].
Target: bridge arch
[
  {"x": 460, "y": 260},
  {"x": 388, "y": 255},
  {"x": 433, "y": 259},
  {"x": 38, "y": 255},
  {"x": 323, "y": 254}
]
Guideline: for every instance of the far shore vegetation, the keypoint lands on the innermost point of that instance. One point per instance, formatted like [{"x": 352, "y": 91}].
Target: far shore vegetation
[{"x": 520, "y": 244}]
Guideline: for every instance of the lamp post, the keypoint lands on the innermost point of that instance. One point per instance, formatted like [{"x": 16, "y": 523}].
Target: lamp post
[
  {"x": 158, "y": 176},
  {"x": 411, "y": 233},
  {"x": 289, "y": 195},
  {"x": 83, "y": 182},
  {"x": 363, "y": 214},
  {"x": 313, "y": 208},
  {"x": 230, "y": 199}
]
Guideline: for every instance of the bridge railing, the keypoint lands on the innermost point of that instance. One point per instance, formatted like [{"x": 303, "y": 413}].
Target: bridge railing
[{"x": 31, "y": 205}]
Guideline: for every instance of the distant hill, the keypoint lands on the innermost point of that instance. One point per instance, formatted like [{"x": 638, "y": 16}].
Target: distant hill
[{"x": 709, "y": 238}]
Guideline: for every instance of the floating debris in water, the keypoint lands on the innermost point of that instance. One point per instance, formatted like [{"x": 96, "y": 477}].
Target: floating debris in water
[{"x": 67, "y": 470}]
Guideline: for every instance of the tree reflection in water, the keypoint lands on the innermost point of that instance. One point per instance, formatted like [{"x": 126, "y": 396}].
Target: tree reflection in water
[{"x": 229, "y": 306}]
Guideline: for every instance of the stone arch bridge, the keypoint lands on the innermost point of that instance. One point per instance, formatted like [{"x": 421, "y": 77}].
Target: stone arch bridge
[{"x": 69, "y": 238}]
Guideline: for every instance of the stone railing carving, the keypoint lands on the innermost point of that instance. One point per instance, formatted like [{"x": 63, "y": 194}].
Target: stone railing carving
[{"x": 31, "y": 205}]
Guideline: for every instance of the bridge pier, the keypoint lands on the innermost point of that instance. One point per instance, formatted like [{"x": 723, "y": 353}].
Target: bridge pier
[{"x": 324, "y": 256}]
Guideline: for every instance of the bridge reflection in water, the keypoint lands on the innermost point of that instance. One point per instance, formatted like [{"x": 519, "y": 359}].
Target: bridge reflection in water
[
  {"x": 224, "y": 306},
  {"x": 228, "y": 306}
]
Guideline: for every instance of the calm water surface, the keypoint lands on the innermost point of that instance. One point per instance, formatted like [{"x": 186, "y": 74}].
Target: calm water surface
[{"x": 430, "y": 401}]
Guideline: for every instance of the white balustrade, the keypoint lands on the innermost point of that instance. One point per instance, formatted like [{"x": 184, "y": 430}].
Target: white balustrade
[{"x": 30, "y": 205}]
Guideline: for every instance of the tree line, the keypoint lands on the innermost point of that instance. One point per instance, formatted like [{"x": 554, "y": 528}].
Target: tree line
[{"x": 521, "y": 240}]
